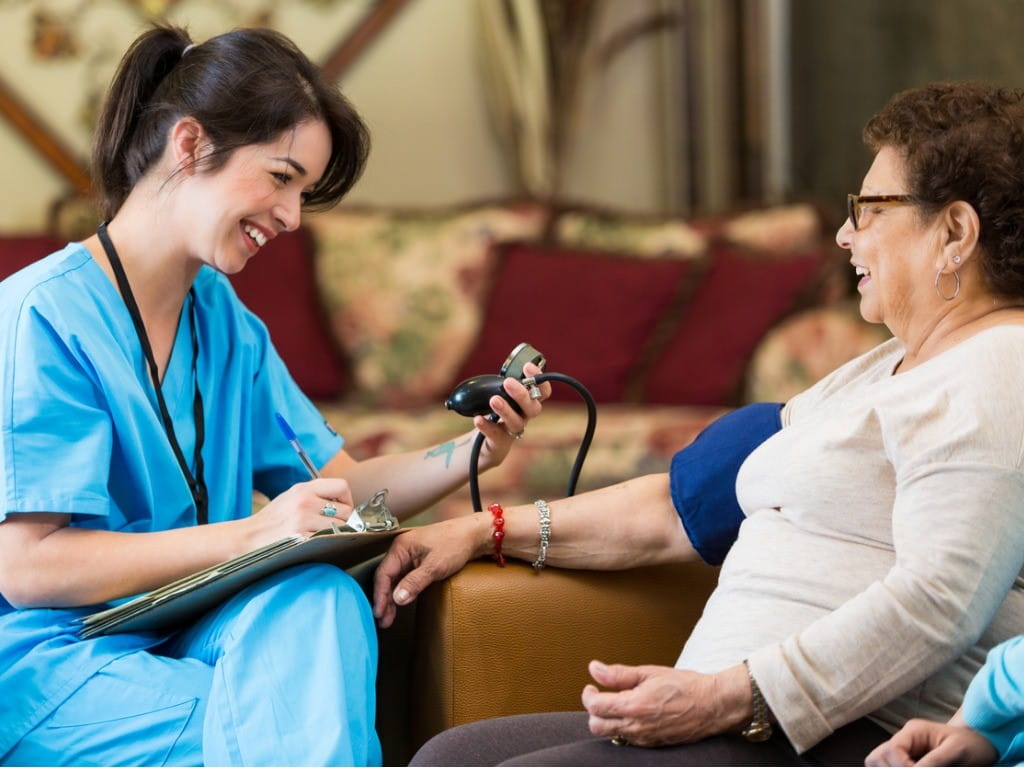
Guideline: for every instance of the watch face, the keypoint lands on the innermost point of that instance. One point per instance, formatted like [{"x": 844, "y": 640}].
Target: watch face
[{"x": 758, "y": 732}]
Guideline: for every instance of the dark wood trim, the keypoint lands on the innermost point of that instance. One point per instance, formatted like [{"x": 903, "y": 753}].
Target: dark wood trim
[
  {"x": 355, "y": 43},
  {"x": 29, "y": 125}
]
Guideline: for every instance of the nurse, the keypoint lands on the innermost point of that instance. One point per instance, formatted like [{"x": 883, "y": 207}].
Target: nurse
[{"x": 137, "y": 402}]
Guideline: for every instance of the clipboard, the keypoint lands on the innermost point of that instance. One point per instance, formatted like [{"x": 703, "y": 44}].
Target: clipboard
[{"x": 185, "y": 599}]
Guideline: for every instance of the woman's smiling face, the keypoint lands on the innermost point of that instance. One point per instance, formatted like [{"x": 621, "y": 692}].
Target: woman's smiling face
[
  {"x": 256, "y": 195},
  {"x": 890, "y": 249}
]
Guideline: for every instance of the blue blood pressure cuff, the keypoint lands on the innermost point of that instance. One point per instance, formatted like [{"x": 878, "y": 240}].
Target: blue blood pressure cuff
[{"x": 703, "y": 476}]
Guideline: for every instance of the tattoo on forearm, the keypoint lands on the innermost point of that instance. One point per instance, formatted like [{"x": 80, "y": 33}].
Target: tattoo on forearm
[{"x": 444, "y": 449}]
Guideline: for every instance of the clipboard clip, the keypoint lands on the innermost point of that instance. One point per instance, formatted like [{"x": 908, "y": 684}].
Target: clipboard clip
[{"x": 372, "y": 515}]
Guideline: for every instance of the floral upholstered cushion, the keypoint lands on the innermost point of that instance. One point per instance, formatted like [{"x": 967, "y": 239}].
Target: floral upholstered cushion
[
  {"x": 403, "y": 291},
  {"x": 793, "y": 227},
  {"x": 784, "y": 228},
  {"x": 640, "y": 236},
  {"x": 804, "y": 348}
]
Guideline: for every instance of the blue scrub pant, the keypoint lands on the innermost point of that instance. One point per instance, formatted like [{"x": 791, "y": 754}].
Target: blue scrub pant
[{"x": 283, "y": 673}]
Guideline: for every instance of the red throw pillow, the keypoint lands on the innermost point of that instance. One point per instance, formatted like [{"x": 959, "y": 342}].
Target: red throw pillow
[
  {"x": 741, "y": 296},
  {"x": 279, "y": 285},
  {"x": 21, "y": 250},
  {"x": 591, "y": 313}
]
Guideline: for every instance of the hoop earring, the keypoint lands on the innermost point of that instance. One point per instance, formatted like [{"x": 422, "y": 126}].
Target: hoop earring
[{"x": 956, "y": 291}]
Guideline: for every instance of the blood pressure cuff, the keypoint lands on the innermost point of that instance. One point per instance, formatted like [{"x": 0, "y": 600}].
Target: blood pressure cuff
[{"x": 703, "y": 476}]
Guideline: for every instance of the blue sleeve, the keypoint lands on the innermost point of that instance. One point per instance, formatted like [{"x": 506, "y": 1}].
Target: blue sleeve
[
  {"x": 994, "y": 702},
  {"x": 55, "y": 429},
  {"x": 702, "y": 477},
  {"x": 276, "y": 467}
]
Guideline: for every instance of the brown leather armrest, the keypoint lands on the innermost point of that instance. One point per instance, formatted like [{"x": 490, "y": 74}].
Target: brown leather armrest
[{"x": 496, "y": 641}]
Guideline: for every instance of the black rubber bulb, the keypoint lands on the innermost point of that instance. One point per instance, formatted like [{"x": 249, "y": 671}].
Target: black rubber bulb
[{"x": 473, "y": 396}]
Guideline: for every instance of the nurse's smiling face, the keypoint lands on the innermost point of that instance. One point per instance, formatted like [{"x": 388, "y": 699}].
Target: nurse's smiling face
[{"x": 256, "y": 195}]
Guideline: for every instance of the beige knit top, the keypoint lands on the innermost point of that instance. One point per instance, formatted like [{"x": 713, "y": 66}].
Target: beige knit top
[{"x": 884, "y": 540}]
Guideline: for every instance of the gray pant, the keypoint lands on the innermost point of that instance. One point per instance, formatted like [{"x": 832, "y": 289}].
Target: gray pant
[{"x": 562, "y": 738}]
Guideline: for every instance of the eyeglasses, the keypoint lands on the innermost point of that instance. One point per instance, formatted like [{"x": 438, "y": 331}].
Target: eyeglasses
[{"x": 854, "y": 203}]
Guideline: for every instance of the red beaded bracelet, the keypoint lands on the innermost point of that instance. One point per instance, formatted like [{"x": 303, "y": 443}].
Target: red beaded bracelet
[{"x": 499, "y": 531}]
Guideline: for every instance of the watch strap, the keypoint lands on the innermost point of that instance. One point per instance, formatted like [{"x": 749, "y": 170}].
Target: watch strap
[{"x": 760, "y": 728}]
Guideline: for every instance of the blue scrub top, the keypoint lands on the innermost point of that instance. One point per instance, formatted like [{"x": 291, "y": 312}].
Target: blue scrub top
[
  {"x": 994, "y": 702},
  {"x": 81, "y": 434}
]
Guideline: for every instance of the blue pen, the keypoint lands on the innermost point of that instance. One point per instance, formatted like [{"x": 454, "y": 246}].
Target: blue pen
[
  {"x": 354, "y": 521},
  {"x": 290, "y": 436}
]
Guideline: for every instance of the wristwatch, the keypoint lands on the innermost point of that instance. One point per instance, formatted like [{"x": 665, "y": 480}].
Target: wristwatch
[{"x": 760, "y": 728}]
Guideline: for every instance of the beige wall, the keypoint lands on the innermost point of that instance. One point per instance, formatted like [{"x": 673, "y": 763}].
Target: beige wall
[
  {"x": 420, "y": 91},
  {"x": 418, "y": 87}
]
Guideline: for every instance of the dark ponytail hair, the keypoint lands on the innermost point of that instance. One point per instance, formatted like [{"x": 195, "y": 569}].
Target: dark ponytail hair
[{"x": 244, "y": 87}]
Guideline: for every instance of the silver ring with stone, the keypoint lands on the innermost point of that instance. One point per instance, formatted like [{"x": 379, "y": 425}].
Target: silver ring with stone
[{"x": 329, "y": 510}]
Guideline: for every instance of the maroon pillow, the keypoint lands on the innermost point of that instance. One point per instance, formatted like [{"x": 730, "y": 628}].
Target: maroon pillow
[
  {"x": 279, "y": 285},
  {"x": 21, "y": 250},
  {"x": 741, "y": 296},
  {"x": 591, "y": 313}
]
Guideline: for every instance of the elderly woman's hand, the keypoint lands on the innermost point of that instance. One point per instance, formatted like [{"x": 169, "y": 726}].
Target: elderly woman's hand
[
  {"x": 512, "y": 425},
  {"x": 925, "y": 742},
  {"x": 420, "y": 556},
  {"x": 652, "y": 706}
]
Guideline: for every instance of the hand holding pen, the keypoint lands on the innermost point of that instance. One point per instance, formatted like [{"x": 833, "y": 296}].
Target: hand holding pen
[{"x": 328, "y": 510}]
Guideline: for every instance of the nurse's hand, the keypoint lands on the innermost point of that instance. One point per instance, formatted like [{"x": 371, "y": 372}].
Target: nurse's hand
[
  {"x": 512, "y": 425},
  {"x": 304, "y": 508},
  {"x": 925, "y": 742}
]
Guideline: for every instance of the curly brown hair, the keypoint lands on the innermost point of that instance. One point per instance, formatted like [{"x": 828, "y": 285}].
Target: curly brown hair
[{"x": 965, "y": 141}]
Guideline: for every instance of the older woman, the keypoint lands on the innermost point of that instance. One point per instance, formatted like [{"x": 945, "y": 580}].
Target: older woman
[{"x": 884, "y": 522}]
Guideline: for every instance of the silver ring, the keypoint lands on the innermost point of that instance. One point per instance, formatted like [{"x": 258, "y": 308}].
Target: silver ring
[
  {"x": 535, "y": 393},
  {"x": 516, "y": 435},
  {"x": 329, "y": 510},
  {"x": 619, "y": 741}
]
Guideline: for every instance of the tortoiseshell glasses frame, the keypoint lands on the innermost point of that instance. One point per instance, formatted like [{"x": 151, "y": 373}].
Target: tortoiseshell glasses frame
[{"x": 854, "y": 202}]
